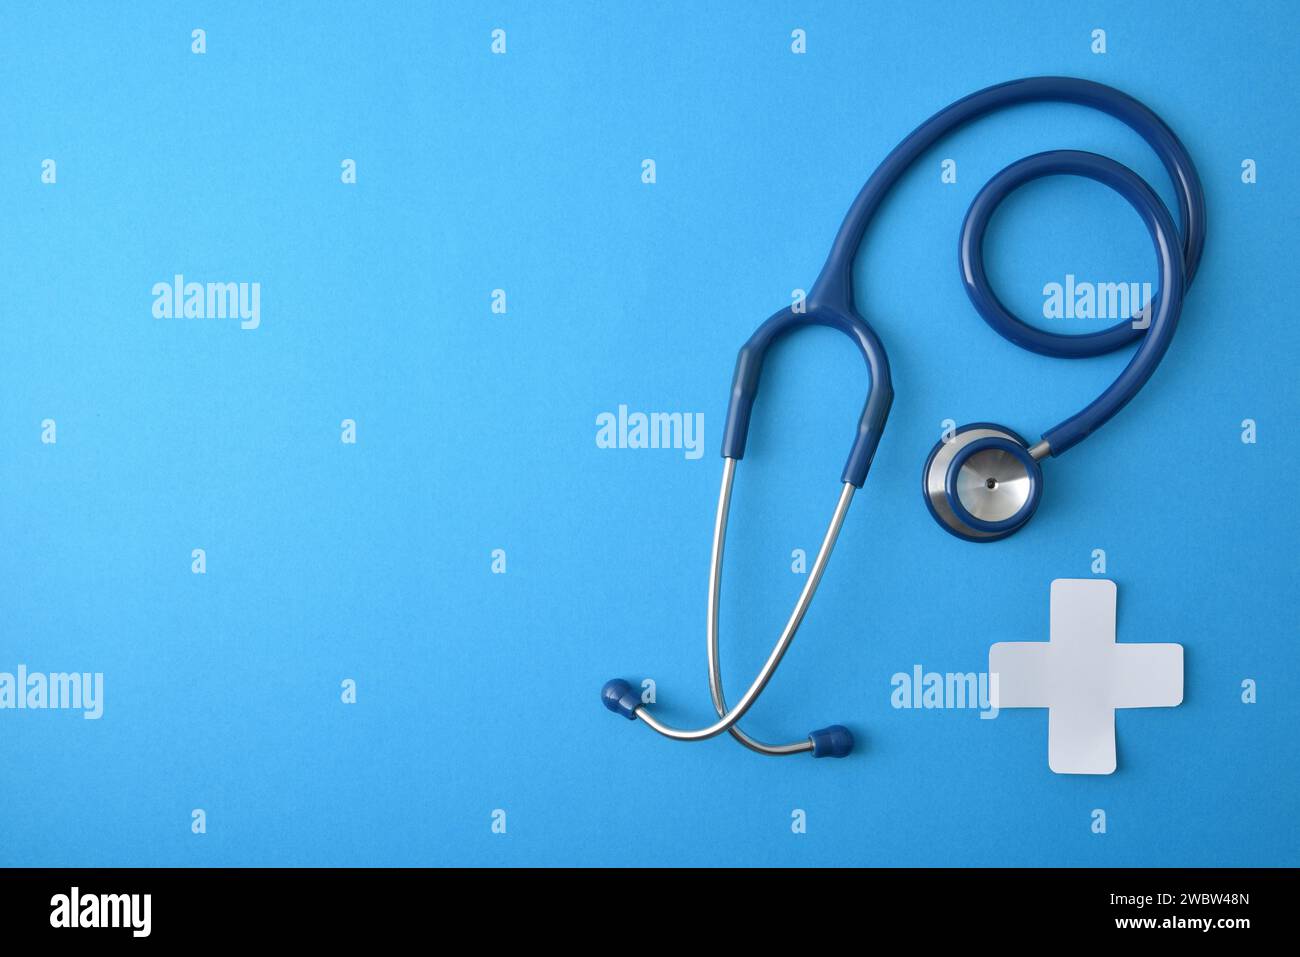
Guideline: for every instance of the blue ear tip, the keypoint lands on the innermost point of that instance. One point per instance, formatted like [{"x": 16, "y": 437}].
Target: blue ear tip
[
  {"x": 833, "y": 742},
  {"x": 620, "y": 697}
]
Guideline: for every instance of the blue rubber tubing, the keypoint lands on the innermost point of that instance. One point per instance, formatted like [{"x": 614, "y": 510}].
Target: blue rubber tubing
[
  {"x": 1156, "y": 335},
  {"x": 831, "y": 299}
]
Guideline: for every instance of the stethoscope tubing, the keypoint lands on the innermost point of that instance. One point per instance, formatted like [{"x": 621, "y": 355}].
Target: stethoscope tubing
[
  {"x": 831, "y": 299},
  {"x": 1167, "y": 307},
  {"x": 835, "y": 283}
]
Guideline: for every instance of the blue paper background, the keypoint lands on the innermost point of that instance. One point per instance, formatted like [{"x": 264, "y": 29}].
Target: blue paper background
[{"x": 476, "y": 431}]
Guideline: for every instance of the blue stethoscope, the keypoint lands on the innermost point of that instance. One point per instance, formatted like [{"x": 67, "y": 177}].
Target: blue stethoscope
[{"x": 983, "y": 482}]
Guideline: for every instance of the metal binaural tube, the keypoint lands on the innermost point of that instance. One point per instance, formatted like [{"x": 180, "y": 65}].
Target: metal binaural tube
[{"x": 728, "y": 718}]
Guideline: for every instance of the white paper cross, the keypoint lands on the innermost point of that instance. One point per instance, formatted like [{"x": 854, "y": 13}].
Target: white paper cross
[{"x": 1081, "y": 676}]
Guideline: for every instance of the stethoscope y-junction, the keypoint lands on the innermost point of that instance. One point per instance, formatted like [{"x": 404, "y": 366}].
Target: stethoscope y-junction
[{"x": 984, "y": 482}]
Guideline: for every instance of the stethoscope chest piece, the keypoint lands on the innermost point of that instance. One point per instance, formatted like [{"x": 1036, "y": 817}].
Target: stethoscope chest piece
[{"x": 983, "y": 483}]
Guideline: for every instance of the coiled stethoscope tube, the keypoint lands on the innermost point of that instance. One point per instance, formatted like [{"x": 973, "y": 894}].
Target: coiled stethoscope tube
[{"x": 984, "y": 482}]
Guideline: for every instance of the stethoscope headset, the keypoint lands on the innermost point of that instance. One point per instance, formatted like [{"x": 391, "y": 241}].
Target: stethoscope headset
[{"x": 984, "y": 481}]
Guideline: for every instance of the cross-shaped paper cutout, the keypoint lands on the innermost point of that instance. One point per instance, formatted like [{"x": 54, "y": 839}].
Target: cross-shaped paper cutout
[{"x": 1081, "y": 676}]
